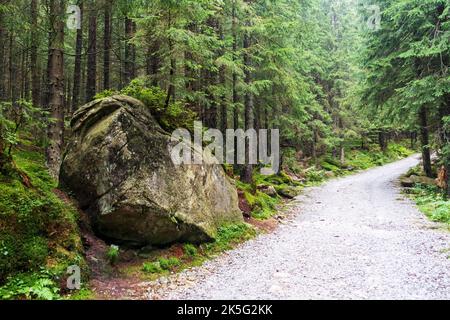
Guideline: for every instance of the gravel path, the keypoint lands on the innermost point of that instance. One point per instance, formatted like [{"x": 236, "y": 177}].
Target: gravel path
[{"x": 353, "y": 238}]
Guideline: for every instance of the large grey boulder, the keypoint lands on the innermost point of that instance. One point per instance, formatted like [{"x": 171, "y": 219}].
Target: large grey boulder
[{"x": 119, "y": 168}]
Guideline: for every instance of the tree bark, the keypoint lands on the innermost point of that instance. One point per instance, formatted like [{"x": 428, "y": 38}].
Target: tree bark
[
  {"x": 153, "y": 61},
  {"x": 222, "y": 81},
  {"x": 130, "y": 55},
  {"x": 425, "y": 141},
  {"x": 91, "y": 82},
  {"x": 13, "y": 90},
  {"x": 249, "y": 106},
  {"x": 382, "y": 140},
  {"x": 107, "y": 47},
  {"x": 235, "y": 79},
  {"x": 78, "y": 64},
  {"x": 35, "y": 76},
  {"x": 444, "y": 130},
  {"x": 56, "y": 86},
  {"x": 2, "y": 56}
]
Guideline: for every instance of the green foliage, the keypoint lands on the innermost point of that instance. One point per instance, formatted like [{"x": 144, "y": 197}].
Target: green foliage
[
  {"x": 39, "y": 285},
  {"x": 162, "y": 265},
  {"x": 38, "y": 230},
  {"x": 432, "y": 202},
  {"x": 169, "y": 264},
  {"x": 264, "y": 206},
  {"x": 151, "y": 267},
  {"x": 113, "y": 254},
  {"x": 228, "y": 236},
  {"x": 313, "y": 175},
  {"x": 175, "y": 116},
  {"x": 365, "y": 159},
  {"x": 190, "y": 250},
  {"x": 82, "y": 294},
  {"x": 15, "y": 117}
]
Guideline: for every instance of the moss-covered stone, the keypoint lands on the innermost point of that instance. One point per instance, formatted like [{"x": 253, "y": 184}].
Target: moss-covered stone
[{"x": 119, "y": 168}]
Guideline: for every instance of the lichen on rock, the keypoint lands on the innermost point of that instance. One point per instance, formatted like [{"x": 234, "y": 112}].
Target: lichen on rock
[{"x": 119, "y": 168}]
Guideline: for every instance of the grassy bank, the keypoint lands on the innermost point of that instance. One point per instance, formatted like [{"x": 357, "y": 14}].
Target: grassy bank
[
  {"x": 180, "y": 257},
  {"x": 39, "y": 235},
  {"x": 432, "y": 203}
]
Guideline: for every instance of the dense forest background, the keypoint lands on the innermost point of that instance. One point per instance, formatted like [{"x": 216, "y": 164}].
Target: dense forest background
[
  {"x": 315, "y": 69},
  {"x": 341, "y": 79}
]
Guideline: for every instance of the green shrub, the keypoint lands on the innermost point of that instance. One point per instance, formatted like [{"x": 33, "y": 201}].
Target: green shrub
[
  {"x": 175, "y": 116},
  {"x": 40, "y": 286},
  {"x": 314, "y": 175},
  {"x": 168, "y": 264},
  {"x": 431, "y": 202},
  {"x": 113, "y": 254},
  {"x": 190, "y": 250},
  {"x": 37, "y": 229},
  {"x": 151, "y": 267},
  {"x": 229, "y": 235}
]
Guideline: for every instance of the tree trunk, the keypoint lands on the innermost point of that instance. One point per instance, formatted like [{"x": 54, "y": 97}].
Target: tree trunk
[
  {"x": 2, "y": 57},
  {"x": 171, "y": 89},
  {"x": 382, "y": 140},
  {"x": 222, "y": 80},
  {"x": 107, "y": 47},
  {"x": 35, "y": 77},
  {"x": 91, "y": 82},
  {"x": 129, "y": 63},
  {"x": 235, "y": 79},
  {"x": 133, "y": 52},
  {"x": 13, "y": 90},
  {"x": 444, "y": 130},
  {"x": 425, "y": 141},
  {"x": 56, "y": 86},
  {"x": 78, "y": 64},
  {"x": 153, "y": 61},
  {"x": 249, "y": 105}
]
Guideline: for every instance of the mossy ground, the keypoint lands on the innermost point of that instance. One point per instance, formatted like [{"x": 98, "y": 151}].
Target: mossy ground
[
  {"x": 39, "y": 236},
  {"x": 180, "y": 257},
  {"x": 432, "y": 203}
]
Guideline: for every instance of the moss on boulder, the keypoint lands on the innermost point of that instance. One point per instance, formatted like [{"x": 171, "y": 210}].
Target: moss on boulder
[{"x": 119, "y": 168}]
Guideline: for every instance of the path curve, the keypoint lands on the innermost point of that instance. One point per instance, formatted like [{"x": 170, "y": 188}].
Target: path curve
[{"x": 352, "y": 238}]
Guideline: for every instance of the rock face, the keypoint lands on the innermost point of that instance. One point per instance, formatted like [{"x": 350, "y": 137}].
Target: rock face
[
  {"x": 119, "y": 168},
  {"x": 409, "y": 182}
]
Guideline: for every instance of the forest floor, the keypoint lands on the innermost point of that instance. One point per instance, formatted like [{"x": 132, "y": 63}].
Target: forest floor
[{"x": 355, "y": 237}]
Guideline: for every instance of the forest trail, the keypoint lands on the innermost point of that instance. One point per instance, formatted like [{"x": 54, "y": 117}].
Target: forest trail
[{"x": 356, "y": 237}]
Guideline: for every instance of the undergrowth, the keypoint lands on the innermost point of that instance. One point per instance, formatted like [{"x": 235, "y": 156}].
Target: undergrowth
[
  {"x": 432, "y": 202},
  {"x": 39, "y": 235},
  {"x": 228, "y": 237}
]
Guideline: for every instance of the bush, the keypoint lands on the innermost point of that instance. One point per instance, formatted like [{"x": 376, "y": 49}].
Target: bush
[
  {"x": 190, "y": 250},
  {"x": 39, "y": 286},
  {"x": 314, "y": 175},
  {"x": 113, "y": 254},
  {"x": 168, "y": 264},
  {"x": 151, "y": 267},
  {"x": 175, "y": 116},
  {"x": 431, "y": 201},
  {"x": 229, "y": 235},
  {"x": 37, "y": 228}
]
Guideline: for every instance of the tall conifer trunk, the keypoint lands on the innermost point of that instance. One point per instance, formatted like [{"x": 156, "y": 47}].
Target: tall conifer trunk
[{"x": 56, "y": 86}]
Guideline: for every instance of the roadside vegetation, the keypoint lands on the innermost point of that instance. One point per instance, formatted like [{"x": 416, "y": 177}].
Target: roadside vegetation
[
  {"x": 432, "y": 202},
  {"x": 39, "y": 235}
]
